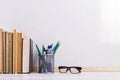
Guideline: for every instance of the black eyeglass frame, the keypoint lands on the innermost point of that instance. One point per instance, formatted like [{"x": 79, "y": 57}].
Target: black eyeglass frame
[{"x": 69, "y": 68}]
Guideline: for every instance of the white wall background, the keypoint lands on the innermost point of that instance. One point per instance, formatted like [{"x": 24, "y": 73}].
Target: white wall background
[{"x": 89, "y": 30}]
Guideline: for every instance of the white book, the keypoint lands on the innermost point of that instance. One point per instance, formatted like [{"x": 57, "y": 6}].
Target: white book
[{"x": 26, "y": 56}]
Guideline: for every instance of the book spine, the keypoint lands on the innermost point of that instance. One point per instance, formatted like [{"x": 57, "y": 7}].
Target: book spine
[
  {"x": 10, "y": 53},
  {"x": 31, "y": 55},
  {"x": 6, "y": 51},
  {"x": 19, "y": 53},
  {"x": 4, "y": 55},
  {"x": 26, "y": 56},
  {"x": 14, "y": 51},
  {"x": 1, "y": 54}
]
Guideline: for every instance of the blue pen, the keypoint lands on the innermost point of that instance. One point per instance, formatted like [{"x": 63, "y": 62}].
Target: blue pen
[{"x": 49, "y": 50}]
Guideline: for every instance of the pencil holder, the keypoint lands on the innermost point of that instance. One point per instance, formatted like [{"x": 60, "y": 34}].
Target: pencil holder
[{"x": 47, "y": 63}]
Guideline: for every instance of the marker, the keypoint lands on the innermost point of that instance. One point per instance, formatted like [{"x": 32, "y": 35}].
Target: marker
[
  {"x": 56, "y": 47},
  {"x": 49, "y": 50}
]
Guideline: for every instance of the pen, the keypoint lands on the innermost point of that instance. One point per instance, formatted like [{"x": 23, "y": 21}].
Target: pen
[
  {"x": 56, "y": 47},
  {"x": 43, "y": 49},
  {"x": 49, "y": 50}
]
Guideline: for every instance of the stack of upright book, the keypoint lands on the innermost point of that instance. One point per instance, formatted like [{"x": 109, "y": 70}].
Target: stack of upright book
[{"x": 15, "y": 51}]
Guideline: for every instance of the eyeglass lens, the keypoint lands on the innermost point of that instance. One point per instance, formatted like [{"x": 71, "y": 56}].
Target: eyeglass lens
[{"x": 74, "y": 70}]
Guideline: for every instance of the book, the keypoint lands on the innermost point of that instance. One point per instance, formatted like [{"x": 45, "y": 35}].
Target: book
[
  {"x": 31, "y": 55},
  {"x": 26, "y": 55},
  {"x": 14, "y": 51},
  {"x": 6, "y": 52},
  {"x": 10, "y": 52},
  {"x": 1, "y": 54},
  {"x": 19, "y": 53}
]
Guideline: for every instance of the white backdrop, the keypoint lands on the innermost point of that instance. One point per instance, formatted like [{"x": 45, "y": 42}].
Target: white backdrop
[{"x": 89, "y": 30}]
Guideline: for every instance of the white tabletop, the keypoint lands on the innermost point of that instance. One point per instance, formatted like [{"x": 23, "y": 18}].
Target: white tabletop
[{"x": 60, "y": 76}]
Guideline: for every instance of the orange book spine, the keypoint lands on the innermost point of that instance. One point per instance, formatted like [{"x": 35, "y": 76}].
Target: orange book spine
[
  {"x": 19, "y": 53},
  {"x": 1, "y": 54},
  {"x": 14, "y": 51}
]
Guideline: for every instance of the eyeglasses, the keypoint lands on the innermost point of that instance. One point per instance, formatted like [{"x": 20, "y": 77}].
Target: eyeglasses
[{"x": 73, "y": 69}]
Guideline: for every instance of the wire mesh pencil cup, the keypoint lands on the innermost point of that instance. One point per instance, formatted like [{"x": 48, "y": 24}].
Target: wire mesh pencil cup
[{"x": 47, "y": 63}]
